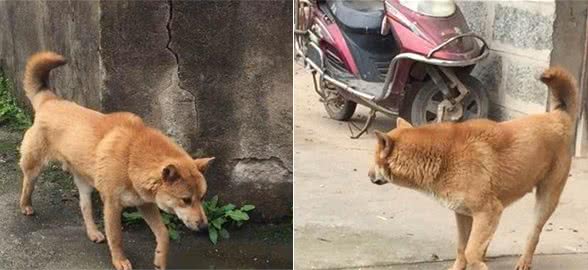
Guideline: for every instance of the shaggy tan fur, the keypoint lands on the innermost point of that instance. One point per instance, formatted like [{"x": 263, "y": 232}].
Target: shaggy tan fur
[
  {"x": 479, "y": 167},
  {"x": 129, "y": 163}
]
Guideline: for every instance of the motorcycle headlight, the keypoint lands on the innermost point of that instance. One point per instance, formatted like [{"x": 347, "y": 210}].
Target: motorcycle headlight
[{"x": 434, "y": 8}]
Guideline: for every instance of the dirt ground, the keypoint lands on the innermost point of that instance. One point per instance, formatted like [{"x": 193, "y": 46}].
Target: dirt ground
[
  {"x": 54, "y": 238},
  {"x": 344, "y": 221}
]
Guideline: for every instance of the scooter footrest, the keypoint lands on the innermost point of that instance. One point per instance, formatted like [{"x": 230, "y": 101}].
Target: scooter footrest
[{"x": 374, "y": 89}]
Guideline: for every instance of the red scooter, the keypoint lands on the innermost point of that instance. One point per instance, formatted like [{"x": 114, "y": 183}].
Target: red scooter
[{"x": 398, "y": 57}]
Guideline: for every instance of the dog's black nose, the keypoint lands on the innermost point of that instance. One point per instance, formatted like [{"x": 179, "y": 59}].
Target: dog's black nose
[
  {"x": 378, "y": 182},
  {"x": 203, "y": 226}
]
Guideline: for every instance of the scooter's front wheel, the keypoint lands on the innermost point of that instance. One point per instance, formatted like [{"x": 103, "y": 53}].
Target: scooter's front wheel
[
  {"x": 337, "y": 106},
  {"x": 420, "y": 106}
]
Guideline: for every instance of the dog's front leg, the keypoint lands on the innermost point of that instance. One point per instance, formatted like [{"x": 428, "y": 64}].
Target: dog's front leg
[
  {"x": 150, "y": 213},
  {"x": 483, "y": 227},
  {"x": 464, "y": 226},
  {"x": 112, "y": 220}
]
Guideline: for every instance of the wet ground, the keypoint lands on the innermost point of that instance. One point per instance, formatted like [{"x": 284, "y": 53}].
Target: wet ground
[{"x": 54, "y": 238}]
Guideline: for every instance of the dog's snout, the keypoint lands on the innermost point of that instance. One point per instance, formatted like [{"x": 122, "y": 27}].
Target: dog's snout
[
  {"x": 378, "y": 181},
  {"x": 203, "y": 226}
]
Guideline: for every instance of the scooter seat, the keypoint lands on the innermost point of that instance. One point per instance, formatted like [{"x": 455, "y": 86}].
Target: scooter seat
[{"x": 358, "y": 16}]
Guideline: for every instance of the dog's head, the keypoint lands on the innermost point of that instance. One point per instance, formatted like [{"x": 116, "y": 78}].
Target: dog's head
[
  {"x": 379, "y": 173},
  {"x": 183, "y": 189}
]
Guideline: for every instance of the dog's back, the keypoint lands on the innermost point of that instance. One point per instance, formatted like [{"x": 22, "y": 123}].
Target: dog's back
[
  {"x": 508, "y": 158},
  {"x": 518, "y": 155},
  {"x": 68, "y": 129},
  {"x": 541, "y": 146}
]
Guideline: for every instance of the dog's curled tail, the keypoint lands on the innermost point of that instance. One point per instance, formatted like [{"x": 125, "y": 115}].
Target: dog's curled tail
[
  {"x": 564, "y": 90},
  {"x": 36, "y": 76}
]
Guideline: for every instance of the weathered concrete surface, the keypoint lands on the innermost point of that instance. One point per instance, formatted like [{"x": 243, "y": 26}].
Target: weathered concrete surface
[
  {"x": 219, "y": 86},
  {"x": 69, "y": 28},
  {"x": 524, "y": 38},
  {"x": 54, "y": 238},
  {"x": 569, "y": 39},
  {"x": 551, "y": 261},
  {"x": 342, "y": 220}
]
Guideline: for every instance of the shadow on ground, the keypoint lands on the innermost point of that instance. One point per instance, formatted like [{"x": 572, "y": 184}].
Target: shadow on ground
[{"x": 54, "y": 238}]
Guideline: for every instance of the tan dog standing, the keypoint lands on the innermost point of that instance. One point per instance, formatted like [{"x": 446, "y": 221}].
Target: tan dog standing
[
  {"x": 129, "y": 163},
  {"x": 479, "y": 167}
]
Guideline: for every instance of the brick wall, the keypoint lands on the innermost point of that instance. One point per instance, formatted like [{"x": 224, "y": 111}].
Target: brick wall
[{"x": 519, "y": 34}]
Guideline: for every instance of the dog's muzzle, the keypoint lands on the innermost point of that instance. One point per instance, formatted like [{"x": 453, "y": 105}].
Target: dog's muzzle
[
  {"x": 373, "y": 177},
  {"x": 197, "y": 226}
]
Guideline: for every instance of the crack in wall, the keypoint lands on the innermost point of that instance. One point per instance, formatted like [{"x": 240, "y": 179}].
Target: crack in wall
[
  {"x": 169, "y": 33},
  {"x": 177, "y": 59}
]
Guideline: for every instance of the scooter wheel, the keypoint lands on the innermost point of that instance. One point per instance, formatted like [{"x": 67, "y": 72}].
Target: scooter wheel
[
  {"x": 420, "y": 106},
  {"x": 340, "y": 109}
]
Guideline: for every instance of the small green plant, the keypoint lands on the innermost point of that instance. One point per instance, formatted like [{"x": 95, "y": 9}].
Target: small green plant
[
  {"x": 10, "y": 113},
  {"x": 220, "y": 217},
  {"x": 170, "y": 221}
]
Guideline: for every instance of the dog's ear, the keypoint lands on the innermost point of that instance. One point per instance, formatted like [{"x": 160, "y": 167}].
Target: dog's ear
[
  {"x": 385, "y": 143},
  {"x": 202, "y": 163},
  {"x": 401, "y": 123},
  {"x": 170, "y": 174}
]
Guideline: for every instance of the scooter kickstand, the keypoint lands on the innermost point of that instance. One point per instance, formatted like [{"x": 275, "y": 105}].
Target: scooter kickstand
[{"x": 368, "y": 123}]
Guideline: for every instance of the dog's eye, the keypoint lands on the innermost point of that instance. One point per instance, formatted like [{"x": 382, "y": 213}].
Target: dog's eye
[{"x": 187, "y": 201}]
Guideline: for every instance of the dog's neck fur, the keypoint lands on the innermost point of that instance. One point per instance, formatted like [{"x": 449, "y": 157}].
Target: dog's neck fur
[
  {"x": 160, "y": 152},
  {"x": 415, "y": 166}
]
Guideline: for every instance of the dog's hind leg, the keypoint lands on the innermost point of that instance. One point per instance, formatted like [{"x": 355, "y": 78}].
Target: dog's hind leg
[
  {"x": 547, "y": 197},
  {"x": 33, "y": 155},
  {"x": 484, "y": 225},
  {"x": 464, "y": 227},
  {"x": 85, "y": 191}
]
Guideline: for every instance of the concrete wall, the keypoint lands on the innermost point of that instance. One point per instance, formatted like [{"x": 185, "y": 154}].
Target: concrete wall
[
  {"x": 569, "y": 42},
  {"x": 215, "y": 75},
  {"x": 525, "y": 37},
  {"x": 520, "y": 36},
  {"x": 70, "y": 28}
]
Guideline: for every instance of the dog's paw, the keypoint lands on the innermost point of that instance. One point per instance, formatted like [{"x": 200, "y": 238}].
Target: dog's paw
[
  {"x": 477, "y": 266},
  {"x": 122, "y": 264},
  {"x": 96, "y": 236},
  {"x": 159, "y": 262},
  {"x": 27, "y": 210},
  {"x": 523, "y": 264},
  {"x": 459, "y": 264}
]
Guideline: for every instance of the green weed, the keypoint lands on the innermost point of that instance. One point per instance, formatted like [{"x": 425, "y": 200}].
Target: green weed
[
  {"x": 170, "y": 221},
  {"x": 220, "y": 217},
  {"x": 11, "y": 114}
]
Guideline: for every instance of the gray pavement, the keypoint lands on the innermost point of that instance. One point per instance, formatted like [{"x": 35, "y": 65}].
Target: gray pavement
[{"x": 344, "y": 221}]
